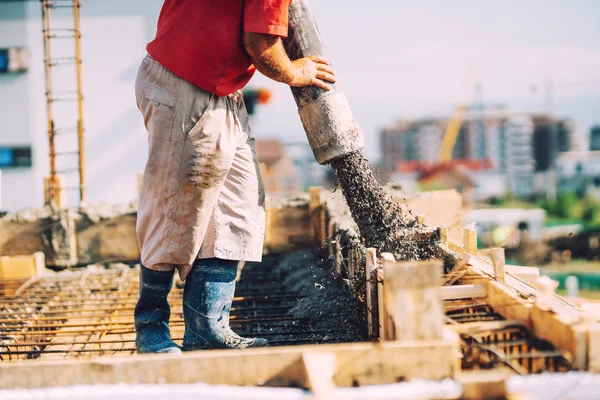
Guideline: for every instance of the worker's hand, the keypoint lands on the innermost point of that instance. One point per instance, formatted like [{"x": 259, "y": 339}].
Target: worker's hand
[{"x": 312, "y": 70}]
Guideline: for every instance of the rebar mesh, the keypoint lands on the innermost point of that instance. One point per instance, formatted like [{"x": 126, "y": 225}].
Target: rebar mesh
[
  {"x": 89, "y": 312},
  {"x": 511, "y": 346}
]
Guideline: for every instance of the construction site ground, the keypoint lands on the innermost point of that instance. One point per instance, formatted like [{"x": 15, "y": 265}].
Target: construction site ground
[{"x": 324, "y": 302}]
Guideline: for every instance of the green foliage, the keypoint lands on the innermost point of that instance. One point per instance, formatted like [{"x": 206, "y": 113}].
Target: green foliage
[
  {"x": 564, "y": 206},
  {"x": 567, "y": 208},
  {"x": 590, "y": 213}
]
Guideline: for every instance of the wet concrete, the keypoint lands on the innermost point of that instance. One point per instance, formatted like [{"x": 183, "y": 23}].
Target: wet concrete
[{"x": 379, "y": 218}]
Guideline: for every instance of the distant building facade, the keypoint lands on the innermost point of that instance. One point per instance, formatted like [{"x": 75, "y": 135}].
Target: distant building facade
[
  {"x": 579, "y": 172},
  {"x": 517, "y": 159},
  {"x": 595, "y": 138},
  {"x": 516, "y": 145}
]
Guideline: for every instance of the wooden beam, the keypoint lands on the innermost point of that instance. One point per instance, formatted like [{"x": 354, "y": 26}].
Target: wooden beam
[
  {"x": 484, "y": 384},
  {"x": 528, "y": 275},
  {"x": 483, "y": 326},
  {"x": 553, "y": 320},
  {"x": 412, "y": 298},
  {"x": 332, "y": 230},
  {"x": 268, "y": 213},
  {"x": 444, "y": 235},
  {"x": 320, "y": 369},
  {"x": 470, "y": 240},
  {"x": 316, "y": 210},
  {"x": 287, "y": 227},
  {"x": 458, "y": 292},
  {"x": 371, "y": 293},
  {"x": 498, "y": 262},
  {"x": 382, "y": 315},
  {"x": 355, "y": 257},
  {"x": 357, "y": 364}
]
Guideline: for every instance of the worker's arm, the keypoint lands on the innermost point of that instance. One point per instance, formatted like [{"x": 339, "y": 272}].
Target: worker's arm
[{"x": 269, "y": 57}]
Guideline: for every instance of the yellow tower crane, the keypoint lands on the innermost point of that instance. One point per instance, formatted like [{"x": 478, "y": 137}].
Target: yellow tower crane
[{"x": 454, "y": 125}]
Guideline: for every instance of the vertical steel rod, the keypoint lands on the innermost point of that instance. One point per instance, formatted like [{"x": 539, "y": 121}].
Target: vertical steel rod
[
  {"x": 80, "y": 138},
  {"x": 49, "y": 106}
]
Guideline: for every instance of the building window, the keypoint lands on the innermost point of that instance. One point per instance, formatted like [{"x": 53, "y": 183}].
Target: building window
[{"x": 14, "y": 157}]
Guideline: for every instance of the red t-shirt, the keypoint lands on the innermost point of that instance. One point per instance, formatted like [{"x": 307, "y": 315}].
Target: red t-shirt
[{"x": 201, "y": 40}]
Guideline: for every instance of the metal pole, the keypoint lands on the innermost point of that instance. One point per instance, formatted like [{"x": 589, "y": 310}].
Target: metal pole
[
  {"x": 49, "y": 106},
  {"x": 80, "y": 138}
]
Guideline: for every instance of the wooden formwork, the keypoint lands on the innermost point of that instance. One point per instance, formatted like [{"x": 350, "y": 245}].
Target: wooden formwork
[
  {"x": 434, "y": 353},
  {"x": 513, "y": 291},
  {"x": 291, "y": 225},
  {"x": 342, "y": 364}
]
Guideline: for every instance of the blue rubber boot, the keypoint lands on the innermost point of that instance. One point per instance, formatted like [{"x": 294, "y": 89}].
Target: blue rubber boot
[
  {"x": 207, "y": 299},
  {"x": 152, "y": 313}
]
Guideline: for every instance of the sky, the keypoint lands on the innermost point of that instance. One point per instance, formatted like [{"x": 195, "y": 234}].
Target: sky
[{"x": 410, "y": 59}]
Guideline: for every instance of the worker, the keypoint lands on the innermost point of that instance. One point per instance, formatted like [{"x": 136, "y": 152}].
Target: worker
[{"x": 201, "y": 207}]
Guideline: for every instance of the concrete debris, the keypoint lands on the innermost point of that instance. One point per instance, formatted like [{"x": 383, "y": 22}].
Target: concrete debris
[
  {"x": 325, "y": 301},
  {"x": 103, "y": 211},
  {"x": 29, "y": 215}
]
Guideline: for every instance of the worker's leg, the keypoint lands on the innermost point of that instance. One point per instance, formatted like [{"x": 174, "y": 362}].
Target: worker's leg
[
  {"x": 192, "y": 143},
  {"x": 152, "y": 313},
  {"x": 207, "y": 299},
  {"x": 235, "y": 233}
]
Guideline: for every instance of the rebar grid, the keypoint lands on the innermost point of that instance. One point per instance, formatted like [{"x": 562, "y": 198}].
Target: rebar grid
[
  {"x": 510, "y": 346},
  {"x": 89, "y": 312}
]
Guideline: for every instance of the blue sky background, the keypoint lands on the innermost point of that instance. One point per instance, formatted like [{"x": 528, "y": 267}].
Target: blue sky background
[{"x": 406, "y": 59}]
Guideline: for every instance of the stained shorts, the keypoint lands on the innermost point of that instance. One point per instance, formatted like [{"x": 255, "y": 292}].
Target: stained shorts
[{"x": 202, "y": 195}]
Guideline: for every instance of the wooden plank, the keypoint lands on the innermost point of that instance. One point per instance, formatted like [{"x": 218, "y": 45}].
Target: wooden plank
[
  {"x": 428, "y": 203},
  {"x": 484, "y": 384},
  {"x": 320, "y": 369},
  {"x": 508, "y": 303},
  {"x": 381, "y": 312},
  {"x": 268, "y": 212},
  {"x": 554, "y": 321},
  {"x": 458, "y": 292},
  {"x": 357, "y": 363},
  {"x": 22, "y": 267},
  {"x": 470, "y": 240},
  {"x": 287, "y": 228},
  {"x": 444, "y": 235},
  {"x": 334, "y": 246},
  {"x": 565, "y": 336},
  {"x": 371, "y": 293},
  {"x": 499, "y": 262},
  {"x": 316, "y": 209},
  {"x": 528, "y": 275},
  {"x": 412, "y": 298},
  {"x": 482, "y": 326},
  {"x": 593, "y": 350}
]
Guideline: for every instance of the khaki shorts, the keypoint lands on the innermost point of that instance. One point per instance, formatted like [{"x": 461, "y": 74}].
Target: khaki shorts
[{"x": 202, "y": 195}]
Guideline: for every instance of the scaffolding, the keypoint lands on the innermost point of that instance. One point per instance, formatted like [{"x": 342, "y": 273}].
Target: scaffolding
[{"x": 55, "y": 185}]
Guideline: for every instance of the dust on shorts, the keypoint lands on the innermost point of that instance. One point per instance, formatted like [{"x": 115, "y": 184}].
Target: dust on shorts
[{"x": 201, "y": 195}]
